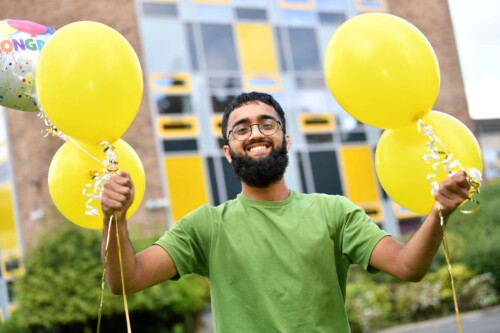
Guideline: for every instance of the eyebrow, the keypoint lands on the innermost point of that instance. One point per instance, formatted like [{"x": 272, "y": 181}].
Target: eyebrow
[{"x": 247, "y": 120}]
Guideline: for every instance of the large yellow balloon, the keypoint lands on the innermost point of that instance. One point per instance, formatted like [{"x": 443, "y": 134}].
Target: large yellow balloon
[
  {"x": 71, "y": 169},
  {"x": 89, "y": 82},
  {"x": 382, "y": 70},
  {"x": 399, "y": 159}
]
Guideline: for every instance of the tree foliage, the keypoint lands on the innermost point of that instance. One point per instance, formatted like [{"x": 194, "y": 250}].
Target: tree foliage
[{"x": 61, "y": 290}]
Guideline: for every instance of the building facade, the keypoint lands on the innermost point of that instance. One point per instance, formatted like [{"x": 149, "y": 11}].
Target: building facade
[{"x": 196, "y": 56}]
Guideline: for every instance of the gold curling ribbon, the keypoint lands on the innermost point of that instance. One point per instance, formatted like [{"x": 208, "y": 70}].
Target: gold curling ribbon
[
  {"x": 444, "y": 157},
  {"x": 125, "y": 304},
  {"x": 448, "y": 265},
  {"x": 111, "y": 167}
]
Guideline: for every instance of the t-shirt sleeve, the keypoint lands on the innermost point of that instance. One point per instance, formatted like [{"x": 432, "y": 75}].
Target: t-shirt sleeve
[
  {"x": 188, "y": 241},
  {"x": 359, "y": 234}
]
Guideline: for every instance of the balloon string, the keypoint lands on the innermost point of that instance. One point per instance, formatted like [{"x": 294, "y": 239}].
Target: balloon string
[
  {"x": 93, "y": 190},
  {"x": 103, "y": 280},
  {"x": 129, "y": 330},
  {"x": 448, "y": 264}
]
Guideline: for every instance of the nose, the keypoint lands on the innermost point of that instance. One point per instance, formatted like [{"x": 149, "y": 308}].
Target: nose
[{"x": 255, "y": 132}]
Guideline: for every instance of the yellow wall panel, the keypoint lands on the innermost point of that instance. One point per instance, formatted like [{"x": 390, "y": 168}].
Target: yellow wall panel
[
  {"x": 357, "y": 165},
  {"x": 359, "y": 175},
  {"x": 186, "y": 184},
  {"x": 8, "y": 232},
  {"x": 256, "y": 47}
]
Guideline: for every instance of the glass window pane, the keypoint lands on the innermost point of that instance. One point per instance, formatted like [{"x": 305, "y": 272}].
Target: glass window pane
[
  {"x": 304, "y": 82},
  {"x": 158, "y": 36},
  {"x": 298, "y": 17},
  {"x": 304, "y": 49},
  {"x": 319, "y": 138},
  {"x": 326, "y": 172},
  {"x": 220, "y": 101},
  {"x": 218, "y": 83},
  {"x": 213, "y": 13},
  {"x": 168, "y": 104},
  {"x": 332, "y": 18},
  {"x": 159, "y": 9},
  {"x": 219, "y": 47},
  {"x": 251, "y": 14}
]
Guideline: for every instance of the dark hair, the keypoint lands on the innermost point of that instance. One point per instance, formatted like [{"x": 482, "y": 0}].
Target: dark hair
[{"x": 248, "y": 98}]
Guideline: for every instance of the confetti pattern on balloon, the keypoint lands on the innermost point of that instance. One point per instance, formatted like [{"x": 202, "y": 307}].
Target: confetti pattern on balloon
[{"x": 20, "y": 45}]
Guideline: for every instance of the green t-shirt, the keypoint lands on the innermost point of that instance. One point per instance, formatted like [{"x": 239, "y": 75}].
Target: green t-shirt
[{"x": 276, "y": 266}]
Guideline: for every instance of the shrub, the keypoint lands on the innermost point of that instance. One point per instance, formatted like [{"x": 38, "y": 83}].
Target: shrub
[{"x": 61, "y": 289}]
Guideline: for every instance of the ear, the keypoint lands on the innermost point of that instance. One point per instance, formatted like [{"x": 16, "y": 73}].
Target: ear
[
  {"x": 287, "y": 140},
  {"x": 227, "y": 154}
]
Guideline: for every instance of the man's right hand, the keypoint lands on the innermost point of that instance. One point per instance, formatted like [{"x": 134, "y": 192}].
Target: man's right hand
[{"x": 117, "y": 196}]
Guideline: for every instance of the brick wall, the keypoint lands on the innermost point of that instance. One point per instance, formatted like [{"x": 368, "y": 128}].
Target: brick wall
[
  {"x": 32, "y": 153},
  {"x": 432, "y": 18}
]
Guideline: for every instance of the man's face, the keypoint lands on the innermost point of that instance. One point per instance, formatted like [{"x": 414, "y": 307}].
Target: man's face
[{"x": 258, "y": 160}]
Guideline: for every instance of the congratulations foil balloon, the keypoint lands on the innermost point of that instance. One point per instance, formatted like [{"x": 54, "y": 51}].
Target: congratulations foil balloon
[{"x": 20, "y": 45}]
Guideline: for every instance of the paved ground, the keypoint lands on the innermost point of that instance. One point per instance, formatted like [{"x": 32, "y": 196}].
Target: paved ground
[{"x": 483, "y": 321}]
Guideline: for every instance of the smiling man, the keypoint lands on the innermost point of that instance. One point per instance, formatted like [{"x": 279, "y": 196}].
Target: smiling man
[{"x": 277, "y": 259}]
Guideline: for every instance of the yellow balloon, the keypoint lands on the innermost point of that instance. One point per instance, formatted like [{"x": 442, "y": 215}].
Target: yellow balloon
[
  {"x": 89, "y": 82},
  {"x": 71, "y": 170},
  {"x": 399, "y": 159},
  {"x": 382, "y": 70}
]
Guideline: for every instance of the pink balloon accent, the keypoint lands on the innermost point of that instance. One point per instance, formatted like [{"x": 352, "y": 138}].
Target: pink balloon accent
[{"x": 27, "y": 26}]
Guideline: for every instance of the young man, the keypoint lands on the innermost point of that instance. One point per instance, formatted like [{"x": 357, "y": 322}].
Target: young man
[{"x": 277, "y": 259}]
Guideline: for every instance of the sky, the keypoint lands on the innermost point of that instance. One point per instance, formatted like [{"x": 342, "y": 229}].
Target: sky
[{"x": 477, "y": 33}]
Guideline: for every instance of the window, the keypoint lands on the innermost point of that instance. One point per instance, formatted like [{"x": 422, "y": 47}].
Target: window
[
  {"x": 251, "y": 14},
  {"x": 159, "y": 9},
  {"x": 304, "y": 49},
  {"x": 219, "y": 47},
  {"x": 171, "y": 104}
]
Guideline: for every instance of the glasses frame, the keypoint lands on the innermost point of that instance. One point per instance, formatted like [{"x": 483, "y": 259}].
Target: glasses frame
[{"x": 278, "y": 126}]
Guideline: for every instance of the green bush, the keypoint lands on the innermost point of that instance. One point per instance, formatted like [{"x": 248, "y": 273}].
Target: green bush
[
  {"x": 61, "y": 290},
  {"x": 479, "y": 233},
  {"x": 368, "y": 304}
]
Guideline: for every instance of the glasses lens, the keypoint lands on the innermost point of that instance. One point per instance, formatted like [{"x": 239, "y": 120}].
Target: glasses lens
[{"x": 267, "y": 127}]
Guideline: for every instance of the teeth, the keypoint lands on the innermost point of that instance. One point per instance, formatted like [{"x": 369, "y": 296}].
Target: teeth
[{"x": 257, "y": 148}]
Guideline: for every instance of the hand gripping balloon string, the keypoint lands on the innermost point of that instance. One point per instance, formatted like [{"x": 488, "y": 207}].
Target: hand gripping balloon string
[
  {"x": 439, "y": 156},
  {"x": 94, "y": 191}
]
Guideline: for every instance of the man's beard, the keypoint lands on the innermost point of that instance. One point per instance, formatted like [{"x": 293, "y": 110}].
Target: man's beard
[{"x": 260, "y": 172}]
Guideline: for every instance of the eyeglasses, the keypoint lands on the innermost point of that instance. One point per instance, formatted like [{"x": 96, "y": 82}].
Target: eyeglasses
[{"x": 266, "y": 126}]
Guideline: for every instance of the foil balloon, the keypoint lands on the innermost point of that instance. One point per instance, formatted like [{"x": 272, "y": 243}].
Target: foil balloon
[{"x": 20, "y": 45}]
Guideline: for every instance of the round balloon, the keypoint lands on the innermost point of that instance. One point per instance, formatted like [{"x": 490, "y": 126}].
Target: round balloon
[
  {"x": 382, "y": 70},
  {"x": 71, "y": 170},
  {"x": 89, "y": 82},
  {"x": 20, "y": 46},
  {"x": 400, "y": 166}
]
